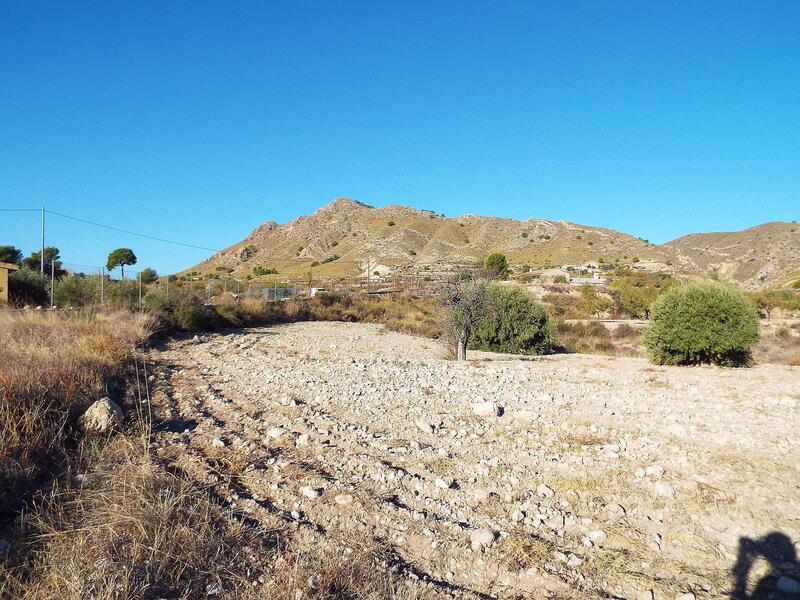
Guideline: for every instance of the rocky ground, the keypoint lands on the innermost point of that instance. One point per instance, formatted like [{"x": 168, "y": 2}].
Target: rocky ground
[{"x": 560, "y": 476}]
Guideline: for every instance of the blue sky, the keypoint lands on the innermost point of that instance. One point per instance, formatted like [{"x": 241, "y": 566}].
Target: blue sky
[{"x": 197, "y": 121}]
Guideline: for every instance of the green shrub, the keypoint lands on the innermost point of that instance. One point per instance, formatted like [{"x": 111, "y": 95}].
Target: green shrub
[
  {"x": 28, "y": 287},
  {"x": 77, "y": 291},
  {"x": 703, "y": 322},
  {"x": 122, "y": 293},
  {"x": 183, "y": 309},
  {"x": 514, "y": 322}
]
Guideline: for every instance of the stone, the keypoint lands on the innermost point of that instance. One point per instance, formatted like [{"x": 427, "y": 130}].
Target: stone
[
  {"x": 664, "y": 489},
  {"x": 480, "y": 495},
  {"x": 302, "y": 440},
  {"x": 442, "y": 483},
  {"x": 574, "y": 561},
  {"x": 555, "y": 522},
  {"x": 481, "y": 538},
  {"x": 685, "y": 596},
  {"x": 517, "y": 516},
  {"x": 424, "y": 426},
  {"x": 275, "y": 433},
  {"x": 309, "y": 492},
  {"x": 645, "y": 595},
  {"x": 598, "y": 537},
  {"x": 343, "y": 499},
  {"x": 654, "y": 471},
  {"x": 486, "y": 408},
  {"x": 545, "y": 491},
  {"x": 102, "y": 417},
  {"x": 787, "y": 585},
  {"x": 218, "y": 443}
]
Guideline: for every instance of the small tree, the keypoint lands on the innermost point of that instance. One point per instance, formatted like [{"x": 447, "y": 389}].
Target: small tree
[
  {"x": 119, "y": 258},
  {"x": 514, "y": 322},
  {"x": 766, "y": 302},
  {"x": 464, "y": 297},
  {"x": 593, "y": 302},
  {"x": 10, "y": 254},
  {"x": 496, "y": 266},
  {"x": 148, "y": 275},
  {"x": 705, "y": 322}
]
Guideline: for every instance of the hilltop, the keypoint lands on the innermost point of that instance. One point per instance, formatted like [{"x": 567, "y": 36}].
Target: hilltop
[{"x": 347, "y": 238}]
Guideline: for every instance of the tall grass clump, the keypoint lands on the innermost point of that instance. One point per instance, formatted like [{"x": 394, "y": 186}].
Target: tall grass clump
[
  {"x": 52, "y": 367},
  {"x": 705, "y": 322},
  {"x": 514, "y": 322},
  {"x": 182, "y": 309}
]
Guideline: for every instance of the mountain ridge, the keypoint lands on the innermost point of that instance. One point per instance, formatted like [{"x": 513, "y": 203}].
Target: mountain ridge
[{"x": 345, "y": 237}]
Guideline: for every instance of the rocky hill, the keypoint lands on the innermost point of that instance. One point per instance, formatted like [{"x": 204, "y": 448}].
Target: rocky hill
[
  {"x": 767, "y": 255},
  {"x": 347, "y": 238}
]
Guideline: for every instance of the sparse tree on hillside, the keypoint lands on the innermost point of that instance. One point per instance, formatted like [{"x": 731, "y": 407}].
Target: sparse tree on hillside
[
  {"x": 593, "y": 302},
  {"x": 766, "y": 302},
  {"x": 10, "y": 254},
  {"x": 119, "y": 258},
  {"x": 465, "y": 299},
  {"x": 496, "y": 266},
  {"x": 148, "y": 275}
]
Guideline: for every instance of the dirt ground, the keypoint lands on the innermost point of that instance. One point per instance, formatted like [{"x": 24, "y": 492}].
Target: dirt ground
[{"x": 560, "y": 476}]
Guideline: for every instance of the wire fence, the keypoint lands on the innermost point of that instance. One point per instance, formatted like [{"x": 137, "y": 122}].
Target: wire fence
[{"x": 84, "y": 284}]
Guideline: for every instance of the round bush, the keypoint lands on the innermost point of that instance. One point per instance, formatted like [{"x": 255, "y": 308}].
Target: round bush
[
  {"x": 699, "y": 323},
  {"x": 515, "y": 323}
]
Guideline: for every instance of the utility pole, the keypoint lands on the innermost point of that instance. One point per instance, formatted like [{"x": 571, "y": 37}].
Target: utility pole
[
  {"x": 52, "y": 283},
  {"x": 41, "y": 258}
]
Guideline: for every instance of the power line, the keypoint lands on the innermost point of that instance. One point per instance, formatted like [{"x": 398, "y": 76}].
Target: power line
[{"x": 117, "y": 229}]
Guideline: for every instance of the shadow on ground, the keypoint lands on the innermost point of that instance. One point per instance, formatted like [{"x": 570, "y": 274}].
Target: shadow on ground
[{"x": 779, "y": 551}]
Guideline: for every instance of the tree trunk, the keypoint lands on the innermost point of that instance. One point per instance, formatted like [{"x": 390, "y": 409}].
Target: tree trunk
[{"x": 461, "y": 348}]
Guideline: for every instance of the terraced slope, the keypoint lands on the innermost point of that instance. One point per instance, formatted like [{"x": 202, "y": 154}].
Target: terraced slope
[{"x": 347, "y": 238}]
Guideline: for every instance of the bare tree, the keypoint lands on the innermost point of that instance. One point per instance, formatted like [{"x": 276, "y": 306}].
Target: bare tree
[{"x": 465, "y": 300}]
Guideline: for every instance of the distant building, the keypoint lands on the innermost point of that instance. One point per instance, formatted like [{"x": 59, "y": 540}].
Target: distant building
[
  {"x": 588, "y": 280},
  {"x": 5, "y": 268}
]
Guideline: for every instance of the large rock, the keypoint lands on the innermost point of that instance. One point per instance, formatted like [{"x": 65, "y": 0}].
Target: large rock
[{"x": 102, "y": 417}]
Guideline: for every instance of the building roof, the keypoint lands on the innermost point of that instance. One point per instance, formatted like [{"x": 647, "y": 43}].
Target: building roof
[
  {"x": 9, "y": 266},
  {"x": 590, "y": 280}
]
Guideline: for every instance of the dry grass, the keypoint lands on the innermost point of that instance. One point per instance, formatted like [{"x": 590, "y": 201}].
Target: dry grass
[
  {"x": 405, "y": 314},
  {"x": 778, "y": 345},
  {"x": 98, "y": 518},
  {"x": 130, "y": 530},
  {"x": 52, "y": 366},
  {"x": 594, "y": 338}
]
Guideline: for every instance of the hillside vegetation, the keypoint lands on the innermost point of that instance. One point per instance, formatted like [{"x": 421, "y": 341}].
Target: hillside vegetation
[{"x": 347, "y": 238}]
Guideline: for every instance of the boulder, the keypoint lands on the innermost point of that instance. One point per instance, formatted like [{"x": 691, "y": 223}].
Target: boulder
[{"x": 102, "y": 417}]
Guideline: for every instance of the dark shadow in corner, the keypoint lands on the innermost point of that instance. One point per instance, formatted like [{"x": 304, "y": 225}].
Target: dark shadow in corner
[{"x": 778, "y": 550}]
